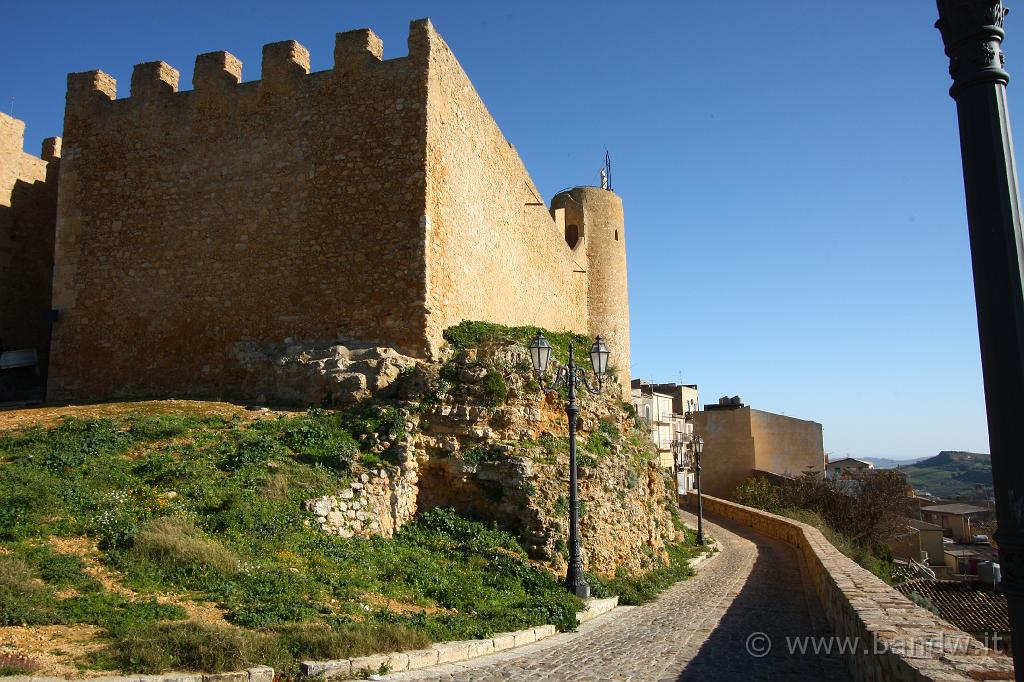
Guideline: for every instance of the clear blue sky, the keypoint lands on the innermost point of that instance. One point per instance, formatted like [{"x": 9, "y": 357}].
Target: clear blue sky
[{"x": 790, "y": 170}]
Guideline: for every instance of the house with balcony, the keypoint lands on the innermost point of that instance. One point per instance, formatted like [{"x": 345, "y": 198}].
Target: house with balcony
[{"x": 666, "y": 411}]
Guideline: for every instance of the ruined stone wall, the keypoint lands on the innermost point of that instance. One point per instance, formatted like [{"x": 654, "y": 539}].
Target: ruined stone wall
[
  {"x": 495, "y": 252},
  {"x": 195, "y": 224},
  {"x": 28, "y": 200}
]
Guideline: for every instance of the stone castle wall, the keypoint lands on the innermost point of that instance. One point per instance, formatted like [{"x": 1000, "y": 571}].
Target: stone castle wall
[
  {"x": 191, "y": 222},
  {"x": 495, "y": 252},
  {"x": 376, "y": 202},
  {"x": 28, "y": 199}
]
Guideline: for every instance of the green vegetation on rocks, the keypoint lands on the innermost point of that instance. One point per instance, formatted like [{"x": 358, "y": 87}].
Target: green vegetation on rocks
[
  {"x": 211, "y": 509},
  {"x": 470, "y": 334}
]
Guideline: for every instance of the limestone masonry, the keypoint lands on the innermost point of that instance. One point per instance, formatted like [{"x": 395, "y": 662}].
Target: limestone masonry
[
  {"x": 374, "y": 203},
  {"x": 28, "y": 201}
]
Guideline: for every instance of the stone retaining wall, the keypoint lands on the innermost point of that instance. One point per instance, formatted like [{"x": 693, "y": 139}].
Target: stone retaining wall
[
  {"x": 379, "y": 502},
  {"x": 897, "y": 640}
]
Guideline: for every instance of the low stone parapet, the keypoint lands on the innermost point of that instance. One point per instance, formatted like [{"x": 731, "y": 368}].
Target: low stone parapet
[{"x": 896, "y": 639}]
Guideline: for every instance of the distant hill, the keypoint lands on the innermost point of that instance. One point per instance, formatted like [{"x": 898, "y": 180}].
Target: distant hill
[
  {"x": 952, "y": 474},
  {"x": 889, "y": 463}
]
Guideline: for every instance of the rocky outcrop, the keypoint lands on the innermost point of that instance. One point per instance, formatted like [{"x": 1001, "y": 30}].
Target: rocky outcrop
[
  {"x": 482, "y": 437},
  {"x": 323, "y": 373}
]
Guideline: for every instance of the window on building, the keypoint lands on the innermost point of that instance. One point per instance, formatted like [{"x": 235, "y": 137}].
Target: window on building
[{"x": 572, "y": 235}]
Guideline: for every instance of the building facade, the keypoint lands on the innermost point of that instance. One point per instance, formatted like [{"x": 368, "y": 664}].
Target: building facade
[
  {"x": 848, "y": 467},
  {"x": 739, "y": 440},
  {"x": 667, "y": 410}
]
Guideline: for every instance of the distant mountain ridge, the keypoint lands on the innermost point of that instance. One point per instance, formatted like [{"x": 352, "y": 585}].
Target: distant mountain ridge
[
  {"x": 953, "y": 474},
  {"x": 889, "y": 462}
]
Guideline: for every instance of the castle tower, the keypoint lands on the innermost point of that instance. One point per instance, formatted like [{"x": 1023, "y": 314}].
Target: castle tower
[{"x": 595, "y": 230}]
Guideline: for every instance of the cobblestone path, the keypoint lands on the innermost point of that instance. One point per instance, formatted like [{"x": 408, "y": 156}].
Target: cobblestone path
[{"x": 696, "y": 630}]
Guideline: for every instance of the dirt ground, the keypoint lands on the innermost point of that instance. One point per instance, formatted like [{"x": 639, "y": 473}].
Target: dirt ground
[
  {"x": 55, "y": 647},
  {"x": 49, "y": 415}
]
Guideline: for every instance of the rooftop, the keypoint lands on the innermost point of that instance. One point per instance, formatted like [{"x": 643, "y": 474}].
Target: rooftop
[
  {"x": 956, "y": 508},
  {"x": 969, "y": 606},
  {"x": 851, "y": 459}
]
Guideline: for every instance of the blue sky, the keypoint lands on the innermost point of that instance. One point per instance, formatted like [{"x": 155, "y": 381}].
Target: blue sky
[{"x": 790, "y": 170}]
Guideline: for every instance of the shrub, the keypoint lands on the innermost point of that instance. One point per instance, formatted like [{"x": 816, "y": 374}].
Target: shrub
[
  {"x": 178, "y": 547},
  {"x": 478, "y": 454},
  {"x": 62, "y": 570},
  {"x": 924, "y": 602},
  {"x": 319, "y": 642},
  {"x": 470, "y": 334},
  {"x": 22, "y": 600},
  {"x": 161, "y": 426},
  {"x": 495, "y": 391},
  {"x": 759, "y": 493},
  {"x": 640, "y": 589},
  {"x": 599, "y": 444},
  {"x": 192, "y": 646}
]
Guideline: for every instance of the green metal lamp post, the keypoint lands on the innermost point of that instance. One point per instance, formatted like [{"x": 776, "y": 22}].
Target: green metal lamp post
[
  {"x": 698, "y": 447},
  {"x": 572, "y": 377}
]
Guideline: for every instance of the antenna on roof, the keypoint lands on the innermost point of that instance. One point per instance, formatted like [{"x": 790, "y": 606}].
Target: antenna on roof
[
  {"x": 606, "y": 171},
  {"x": 12, "y": 107}
]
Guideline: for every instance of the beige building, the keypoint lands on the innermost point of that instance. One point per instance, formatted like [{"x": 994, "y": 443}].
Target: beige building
[
  {"x": 954, "y": 519},
  {"x": 848, "y": 467},
  {"x": 739, "y": 440},
  {"x": 663, "y": 423},
  {"x": 667, "y": 410},
  {"x": 919, "y": 541}
]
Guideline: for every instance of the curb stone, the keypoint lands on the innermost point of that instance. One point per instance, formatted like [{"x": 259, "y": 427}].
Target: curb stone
[
  {"x": 446, "y": 652},
  {"x": 260, "y": 673}
]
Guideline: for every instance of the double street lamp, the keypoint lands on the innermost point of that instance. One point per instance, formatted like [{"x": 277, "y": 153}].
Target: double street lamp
[
  {"x": 698, "y": 447},
  {"x": 572, "y": 377}
]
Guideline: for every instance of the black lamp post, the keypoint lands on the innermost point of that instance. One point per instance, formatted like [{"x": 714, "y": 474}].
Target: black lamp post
[
  {"x": 571, "y": 376},
  {"x": 972, "y": 32},
  {"x": 698, "y": 447}
]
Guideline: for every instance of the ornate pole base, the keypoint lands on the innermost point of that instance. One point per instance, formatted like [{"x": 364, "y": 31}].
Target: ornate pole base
[{"x": 576, "y": 582}]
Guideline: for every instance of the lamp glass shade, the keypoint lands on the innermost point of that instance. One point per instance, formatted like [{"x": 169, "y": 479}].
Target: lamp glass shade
[
  {"x": 540, "y": 353},
  {"x": 599, "y": 355},
  {"x": 698, "y": 444}
]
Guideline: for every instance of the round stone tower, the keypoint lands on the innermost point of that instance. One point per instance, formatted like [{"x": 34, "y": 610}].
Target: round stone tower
[{"x": 595, "y": 230}]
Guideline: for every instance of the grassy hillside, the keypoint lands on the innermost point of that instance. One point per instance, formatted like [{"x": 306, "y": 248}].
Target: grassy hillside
[
  {"x": 952, "y": 474},
  {"x": 179, "y": 541}
]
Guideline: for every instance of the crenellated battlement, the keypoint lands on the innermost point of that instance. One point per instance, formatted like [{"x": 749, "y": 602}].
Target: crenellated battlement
[
  {"x": 153, "y": 79},
  {"x": 216, "y": 72},
  {"x": 284, "y": 70}
]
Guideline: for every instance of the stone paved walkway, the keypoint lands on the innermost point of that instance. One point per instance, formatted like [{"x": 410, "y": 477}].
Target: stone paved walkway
[{"x": 697, "y": 630}]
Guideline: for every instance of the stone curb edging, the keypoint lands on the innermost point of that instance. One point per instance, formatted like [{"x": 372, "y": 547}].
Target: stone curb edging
[
  {"x": 916, "y": 645},
  {"x": 447, "y": 652},
  {"x": 437, "y": 654},
  {"x": 260, "y": 673}
]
